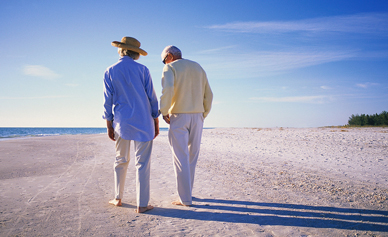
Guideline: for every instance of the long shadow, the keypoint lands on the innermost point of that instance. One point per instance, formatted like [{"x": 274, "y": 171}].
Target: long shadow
[
  {"x": 293, "y": 206},
  {"x": 280, "y": 214}
]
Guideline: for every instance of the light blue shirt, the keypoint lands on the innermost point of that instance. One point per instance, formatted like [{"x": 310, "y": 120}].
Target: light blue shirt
[{"x": 130, "y": 100}]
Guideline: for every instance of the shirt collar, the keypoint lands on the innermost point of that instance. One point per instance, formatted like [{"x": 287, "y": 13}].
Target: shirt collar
[{"x": 126, "y": 58}]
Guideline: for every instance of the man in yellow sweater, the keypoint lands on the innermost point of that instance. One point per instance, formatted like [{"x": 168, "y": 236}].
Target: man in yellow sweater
[{"x": 185, "y": 102}]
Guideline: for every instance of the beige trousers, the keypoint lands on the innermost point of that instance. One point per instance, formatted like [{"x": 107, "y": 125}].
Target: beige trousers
[
  {"x": 143, "y": 167},
  {"x": 185, "y": 139}
]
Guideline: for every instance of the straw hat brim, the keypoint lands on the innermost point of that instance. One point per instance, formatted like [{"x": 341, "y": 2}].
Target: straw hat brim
[{"x": 130, "y": 47}]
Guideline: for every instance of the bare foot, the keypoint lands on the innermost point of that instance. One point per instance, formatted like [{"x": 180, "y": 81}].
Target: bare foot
[
  {"x": 178, "y": 203},
  {"x": 116, "y": 202},
  {"x": 143, "y": 209}
]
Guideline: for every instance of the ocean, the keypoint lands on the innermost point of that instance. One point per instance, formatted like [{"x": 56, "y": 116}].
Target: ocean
[
  {"x": 9, "y": 133},
  {"x": 41, "y": 132}
]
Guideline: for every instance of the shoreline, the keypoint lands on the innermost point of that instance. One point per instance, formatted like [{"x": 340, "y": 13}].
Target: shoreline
[
  {"x": 249, "y": 181},
  {"x": 166, "y": 129}
]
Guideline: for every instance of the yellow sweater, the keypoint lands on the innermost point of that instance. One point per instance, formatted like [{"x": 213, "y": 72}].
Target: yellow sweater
[{"x": 185, "y": 89}]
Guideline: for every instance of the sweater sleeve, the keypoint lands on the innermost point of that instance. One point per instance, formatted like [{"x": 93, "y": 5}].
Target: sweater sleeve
[
  {"x": 167, "y": 90},
  {"x": 207, "y": 99}
]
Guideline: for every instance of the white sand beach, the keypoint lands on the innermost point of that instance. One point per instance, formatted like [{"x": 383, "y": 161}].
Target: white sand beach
[{"x": 249, "y": 182}]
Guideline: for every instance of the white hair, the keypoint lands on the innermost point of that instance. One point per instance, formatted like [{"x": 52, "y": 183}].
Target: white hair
[
  {"x": 126, "y": 52},
  {"x": 172, "y": 50}
]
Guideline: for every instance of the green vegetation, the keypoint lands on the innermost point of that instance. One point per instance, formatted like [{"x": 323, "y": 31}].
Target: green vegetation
[{"x": 369, "y": 120}]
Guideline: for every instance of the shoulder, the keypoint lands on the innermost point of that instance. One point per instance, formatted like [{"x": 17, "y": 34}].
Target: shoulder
[
  {"x": 116, "y": 66},
  {"x": 135, "y": 64},
  {"x": 192, "y": 65},
  {"x": 126, "y": 62},
  {"x": 185, "y": 63},
  {"x": 112, "y": 66}
]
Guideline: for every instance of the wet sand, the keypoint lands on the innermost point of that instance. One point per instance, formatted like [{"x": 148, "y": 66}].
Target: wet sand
[{"x": 249, "y": 182}]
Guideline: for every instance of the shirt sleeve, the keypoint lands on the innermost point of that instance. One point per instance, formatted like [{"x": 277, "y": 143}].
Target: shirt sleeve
[
  {"x": 153, "y": 99},
  {"x": 167, "y": 89},
  {"x": 108, "y": 97},
  {"x": 208, "y": 98}
]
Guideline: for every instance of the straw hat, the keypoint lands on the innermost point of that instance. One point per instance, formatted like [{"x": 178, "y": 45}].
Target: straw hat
[{"x": 131, "y": 44}]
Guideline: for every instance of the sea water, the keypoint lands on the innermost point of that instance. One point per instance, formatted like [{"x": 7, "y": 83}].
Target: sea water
[
  {"x": 40, "y": 132},
  {"x": 9, "y": 133}
]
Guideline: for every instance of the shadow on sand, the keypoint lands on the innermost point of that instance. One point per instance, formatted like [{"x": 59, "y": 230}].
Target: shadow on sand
[{"x": 279, "y": 214}]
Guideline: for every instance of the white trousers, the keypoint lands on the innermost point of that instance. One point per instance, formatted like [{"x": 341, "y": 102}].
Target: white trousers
[
  {"x": 143, "y": 167},
  {"x": 185, "y": 139}
]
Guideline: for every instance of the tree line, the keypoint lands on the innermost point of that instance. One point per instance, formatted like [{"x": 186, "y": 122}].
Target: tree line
[{"x": 369, "y": 120}]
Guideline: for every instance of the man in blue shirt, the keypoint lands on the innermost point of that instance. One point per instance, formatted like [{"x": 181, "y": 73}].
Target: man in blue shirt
[{"x": 131, "y": 113}]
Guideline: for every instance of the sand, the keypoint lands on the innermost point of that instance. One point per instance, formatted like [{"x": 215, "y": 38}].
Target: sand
[{"x": 249, "y": 182}]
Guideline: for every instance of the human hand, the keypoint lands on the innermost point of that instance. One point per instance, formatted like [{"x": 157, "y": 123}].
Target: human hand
[
  {"x": 111, "y": 134},
  {"x": 111, "y": 131},
  {"x": 156, "y": 122},
  {"x": 167, "y": 118}
]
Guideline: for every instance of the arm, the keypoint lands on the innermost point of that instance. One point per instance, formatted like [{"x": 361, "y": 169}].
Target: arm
[
  {"x": 108, "y": 97},
  {"x": 111, "y": 131},
  {"x": 156, "y": 123},
  {"x": 108, "y": 104},
  {"x": 167, "y": 91},
  {"x": 207, "y": 99},
  {"x": 150, "y": 91},
  {"x": 149, "y": 88}
]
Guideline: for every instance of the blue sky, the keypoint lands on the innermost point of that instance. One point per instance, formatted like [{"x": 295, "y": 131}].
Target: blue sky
[{"x": 269, "y": 63}]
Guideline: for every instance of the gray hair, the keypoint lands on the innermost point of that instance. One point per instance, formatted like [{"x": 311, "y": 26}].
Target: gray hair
[
  {"x": 172, "y": 50},
  {"x": 129, "y": 53}
]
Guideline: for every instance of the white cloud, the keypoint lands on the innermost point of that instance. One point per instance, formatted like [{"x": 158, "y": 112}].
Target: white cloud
[
  {"x": 40, "y": 71},
  {"x": 297, "y": 59},
  {"x": 366, "y": 85},
  {"x": 299, "y": 54},
  {"x": 362, "y": 85},
  {"x": 319, "y": 99},
  {"x": 371, "y": 23},
  {"x": 217, "y": 49},
  {"x": 262, "y": 63},
  {"x": 326, "y": 88}
]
